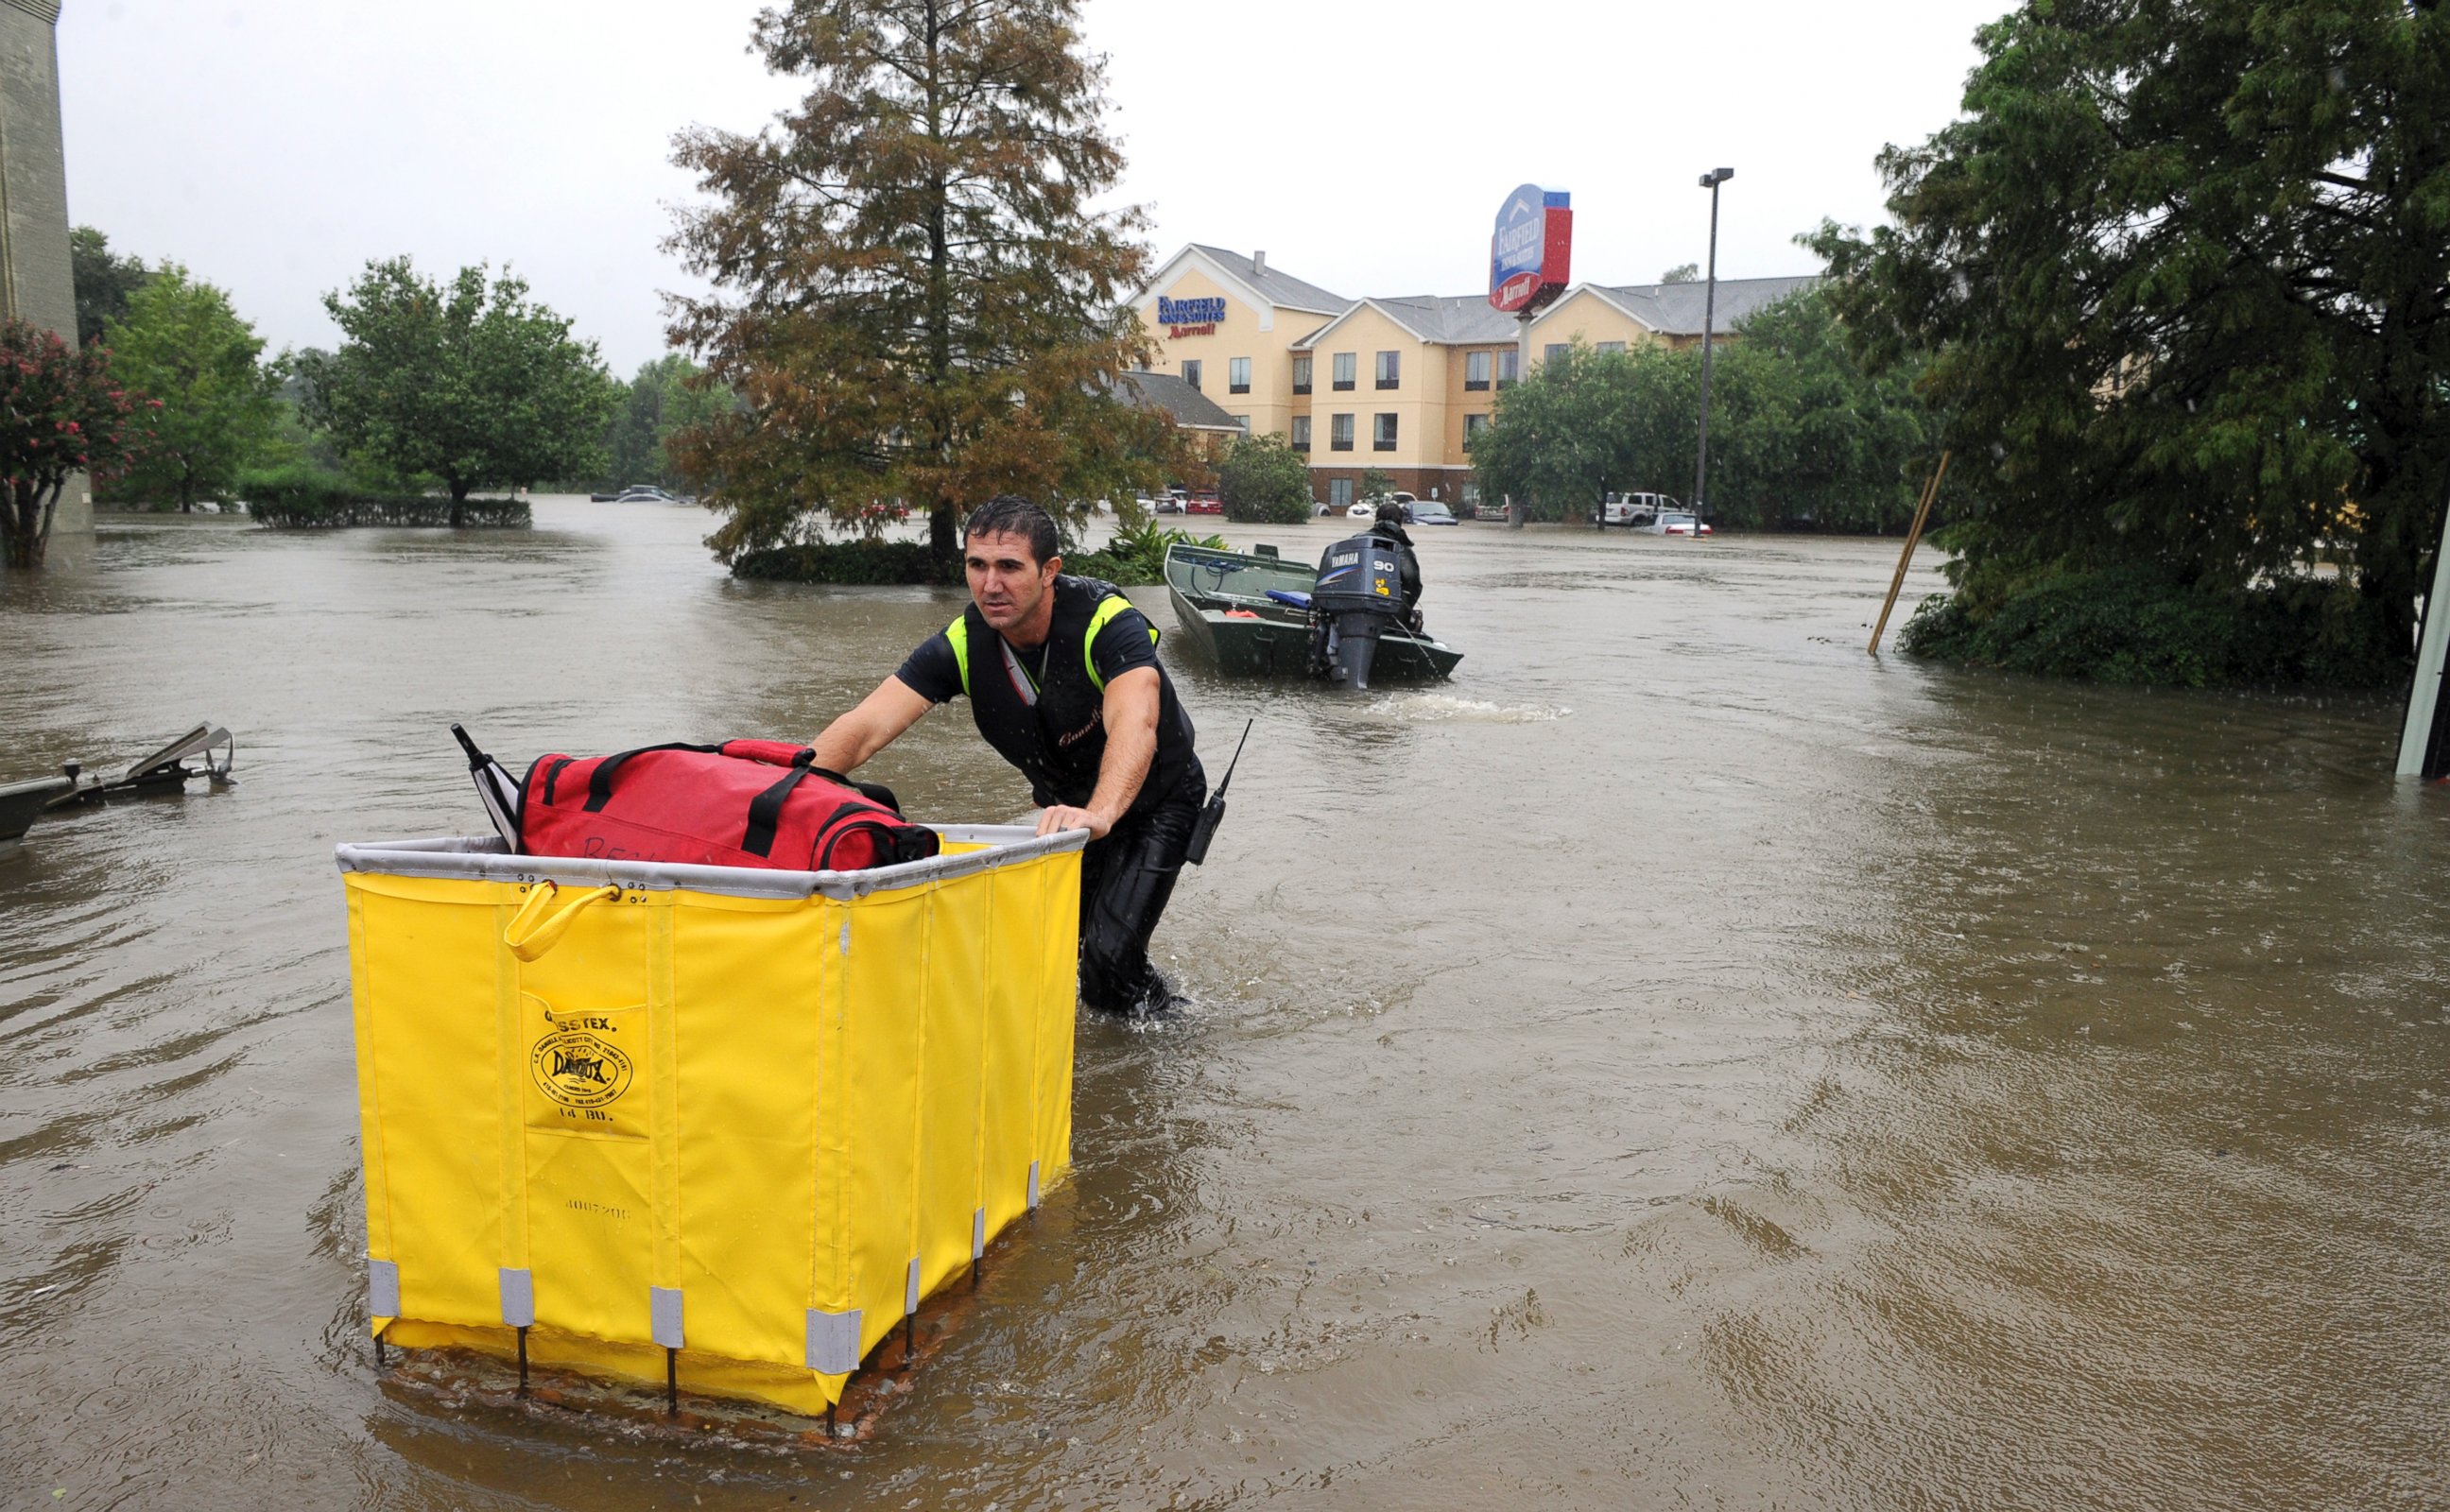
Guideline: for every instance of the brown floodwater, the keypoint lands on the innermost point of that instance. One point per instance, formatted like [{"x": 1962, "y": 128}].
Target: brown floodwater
[{"x": 1682, "y": 1063}]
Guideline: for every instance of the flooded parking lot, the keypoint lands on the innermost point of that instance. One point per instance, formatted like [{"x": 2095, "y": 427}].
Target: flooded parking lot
[{"x": 1680, "y": 1063}]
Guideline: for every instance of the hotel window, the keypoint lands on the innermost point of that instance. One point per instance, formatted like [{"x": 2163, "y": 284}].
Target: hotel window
[
  {"x": 1383, "y": 436},
  {"x": 1301, "y": 433},
  {"x": 1339, "y": 433},
  {"x": 1554, "y": 352},
  {"x": 1509, "y": 367},
  {"x": 1191, "y": 371},
  {"x": 1238, "y": 374},
  {"x": 1606, "y": 347},
  {"x": 1301, "y": 375},
  {"x": 1474, "y": 425},
  {"x": 1391, "y": 370},
  {"x": 1339, "y": 493},
  {"x": 1347, "y": 365},
  {"x": 1475, "y": 373},
  {"x": 1244, "y": 421}
]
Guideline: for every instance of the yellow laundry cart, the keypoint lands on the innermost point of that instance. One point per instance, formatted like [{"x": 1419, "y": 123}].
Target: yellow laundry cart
[{"x": 713, "y": 1128}]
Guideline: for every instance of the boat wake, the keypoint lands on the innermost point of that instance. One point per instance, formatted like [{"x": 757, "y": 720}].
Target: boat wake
[{"x": 1428, "y": 709}]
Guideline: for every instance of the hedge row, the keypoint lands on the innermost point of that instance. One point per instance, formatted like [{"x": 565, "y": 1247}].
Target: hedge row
[
  {"x": 863, "y": 563},
  {"x": 2139, "y": 625},
  {"x": 870, "y": 564},
  {"x": 302, "y": 498},
  {"x": 393, "y": 508}
]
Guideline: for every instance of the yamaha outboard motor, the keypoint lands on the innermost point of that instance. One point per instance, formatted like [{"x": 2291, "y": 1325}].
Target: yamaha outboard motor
[{"x": 1359, "y": 594}]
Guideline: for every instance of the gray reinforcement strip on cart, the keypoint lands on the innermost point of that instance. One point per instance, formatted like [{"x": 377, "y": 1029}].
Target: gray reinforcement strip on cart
[
  {"x": 664, "y": 1313},
  {"x": 979, "y": 1233},
  {"x": 833, "y": 1342},
  {"x": 519, "y": 1298},
  {"x": 466, "y": 859},
  {"x": 383, "y": 1288},
  {"x": 911, "y": 1289},
  {"x": 1033, "y": 1186}
]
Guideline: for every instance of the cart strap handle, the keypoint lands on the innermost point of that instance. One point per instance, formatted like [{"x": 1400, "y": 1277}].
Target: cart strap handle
[{"x": 528, "y": 939}]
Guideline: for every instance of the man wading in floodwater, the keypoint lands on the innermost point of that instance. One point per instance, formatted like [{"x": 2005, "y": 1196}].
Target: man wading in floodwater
[{"x": 1062, "y": 678}]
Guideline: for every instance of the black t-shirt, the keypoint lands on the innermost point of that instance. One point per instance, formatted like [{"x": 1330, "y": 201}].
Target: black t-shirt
[
  {"x": 934, "y": 672},
  {"x": 1042, "y": 713}
]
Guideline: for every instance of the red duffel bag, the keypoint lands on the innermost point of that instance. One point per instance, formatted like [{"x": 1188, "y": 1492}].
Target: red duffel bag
[{"x": 746, "y": 803}]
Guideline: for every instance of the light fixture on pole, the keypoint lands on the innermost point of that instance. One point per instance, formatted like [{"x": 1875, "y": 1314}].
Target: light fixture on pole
[{"x": 1710, "y": 181}]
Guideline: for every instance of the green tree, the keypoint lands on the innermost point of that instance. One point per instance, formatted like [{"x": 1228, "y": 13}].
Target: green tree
[
  {"x": 181, "y": 345},
  {"x": 2185, "y": 270},
  {"x": 1682, "y": 273},
  {"x": 1586, "y": 422},
  {"x": 474, "y": 385},
  {"x": 913, "y": 293},
  {"x": 62, "y": 413},
  {"x": 1376, "y": 482},
  {"x": 103, "y": 283},
  {"x": 1263, "y": 481},
  {"x": 669, "y": 393},
  {"x": 1799, "y": 431}
]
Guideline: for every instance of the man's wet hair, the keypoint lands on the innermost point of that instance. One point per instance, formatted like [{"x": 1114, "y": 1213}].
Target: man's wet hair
[{"x": 1011, "y": 515}]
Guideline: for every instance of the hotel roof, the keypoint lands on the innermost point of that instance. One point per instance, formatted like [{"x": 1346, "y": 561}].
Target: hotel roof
[
  {"x": 1671, "y": 309},
  {"x": 1674, "y": 309},
  {"x": 1191, "y": 409},
  {"x": 1282, "y": 290}
]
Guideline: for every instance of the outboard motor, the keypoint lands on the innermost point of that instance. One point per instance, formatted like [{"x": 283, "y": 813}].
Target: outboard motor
[{"x": 1359, "y": 594}]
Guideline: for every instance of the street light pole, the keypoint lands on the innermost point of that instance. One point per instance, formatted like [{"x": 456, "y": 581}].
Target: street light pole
[{"x": 1710, "y": 181}]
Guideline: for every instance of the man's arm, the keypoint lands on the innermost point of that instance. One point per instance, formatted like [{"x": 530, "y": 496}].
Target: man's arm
[
  {"x": 878, "y": 722},
  {"x": 1130, "y": 746}
]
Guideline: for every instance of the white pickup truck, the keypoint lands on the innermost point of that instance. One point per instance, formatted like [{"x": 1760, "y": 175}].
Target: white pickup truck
[{"x": 1641, "y": 511}]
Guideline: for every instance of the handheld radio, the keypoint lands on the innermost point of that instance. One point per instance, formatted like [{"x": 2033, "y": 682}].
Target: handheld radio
[{"x": 1213, "y": 815}]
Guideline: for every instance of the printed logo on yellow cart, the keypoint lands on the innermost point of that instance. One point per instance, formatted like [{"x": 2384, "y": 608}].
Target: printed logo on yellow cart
[{"x": 578, "y": 1068}]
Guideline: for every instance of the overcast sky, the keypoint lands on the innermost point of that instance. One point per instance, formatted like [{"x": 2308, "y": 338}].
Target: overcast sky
[{"x": 276, "y": 145}]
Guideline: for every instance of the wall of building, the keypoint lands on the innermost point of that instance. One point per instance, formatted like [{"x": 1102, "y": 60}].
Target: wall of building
[
  {"x": 1418, "y": 400},
  {"x": 1260, "y": 334},
  {"x": 1464, "y": 402},
  {"x": 37, "y": 281},
  {"x": 1584, "y": 316}
]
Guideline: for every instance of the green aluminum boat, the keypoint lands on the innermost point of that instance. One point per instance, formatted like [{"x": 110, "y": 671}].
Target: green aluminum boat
[{"x": 1221, "y": 600}]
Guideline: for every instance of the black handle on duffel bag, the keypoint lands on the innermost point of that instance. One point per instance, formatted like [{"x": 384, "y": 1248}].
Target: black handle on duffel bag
[
  {"x": 765, "y": 809},
  {"x": 599, "y": 784}
]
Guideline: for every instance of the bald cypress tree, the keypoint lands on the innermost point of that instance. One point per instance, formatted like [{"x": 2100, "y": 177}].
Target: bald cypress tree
[{"x": 913, "y": 297}]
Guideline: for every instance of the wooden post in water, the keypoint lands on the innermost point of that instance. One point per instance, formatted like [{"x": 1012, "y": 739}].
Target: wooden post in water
[{"x": 1905, "y": 559}]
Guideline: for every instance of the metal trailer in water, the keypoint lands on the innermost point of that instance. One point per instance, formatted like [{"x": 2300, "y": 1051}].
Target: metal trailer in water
[{"x": 701, "y": 1128}]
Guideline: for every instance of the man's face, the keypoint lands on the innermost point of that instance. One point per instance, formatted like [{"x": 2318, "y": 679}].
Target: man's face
[{"x": 1006, "y": 582}]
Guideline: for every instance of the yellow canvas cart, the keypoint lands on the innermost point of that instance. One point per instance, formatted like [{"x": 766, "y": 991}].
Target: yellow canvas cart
[{"x": 712, "y": 1129}]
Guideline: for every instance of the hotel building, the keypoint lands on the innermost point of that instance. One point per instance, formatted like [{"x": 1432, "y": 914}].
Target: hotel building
[{"x": 1402, "y": 385}]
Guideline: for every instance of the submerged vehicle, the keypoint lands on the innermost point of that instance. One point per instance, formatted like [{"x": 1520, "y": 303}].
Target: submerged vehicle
[
  {"x": 21, "y": 804},
  {"x": 165, "y": 771},
  {"x": 1636, "y": 509},
  {"x": 1250, "y": 615}
]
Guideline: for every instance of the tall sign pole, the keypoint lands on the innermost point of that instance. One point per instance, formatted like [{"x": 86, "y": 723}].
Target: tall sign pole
[
  {"x": 1530, "y": 262},
  {"x": 2424, "y": 742},
  {"x": 1710, "y": 181}
]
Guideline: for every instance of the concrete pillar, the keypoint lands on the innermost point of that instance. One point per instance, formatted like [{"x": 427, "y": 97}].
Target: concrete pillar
[{"x": 36, "y": 280}]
